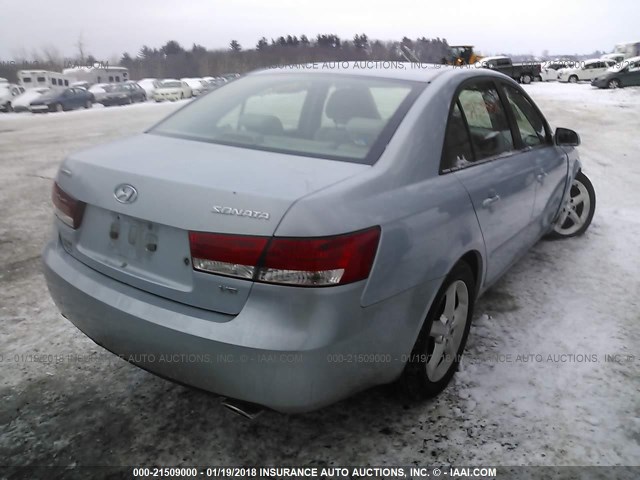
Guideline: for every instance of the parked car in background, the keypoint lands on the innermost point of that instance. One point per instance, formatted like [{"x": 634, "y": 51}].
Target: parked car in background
[
  {"x": 197, "y": 85},
  {"x": 149, "y": 85},
  {"x": 228, "y": 77},
  {"x": 123, "y": 94},
  {"x": 60, "y": 100},
  {"x": 585, "y": 70},
  {"x": 522, "y": 72},
  {"x": 172, "y": 90},
  {"x": 213, "y": 84},
  {"x": 82, "y": 84},
  {"x": 549, "y": 70},
  {"x": 623, "y": 74},
  {"x": 9, "y": 91},
  {"x": 221, "y": 232},
  {"x": 616, "y": 57},
  {"x": 99, "y": 91},
  {"x": 21, "y": 102}
]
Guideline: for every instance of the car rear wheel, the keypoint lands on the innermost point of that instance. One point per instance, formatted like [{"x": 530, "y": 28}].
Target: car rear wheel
[
  {"x": 436, "y": 354},
  {"x": 614, "y": 83},
  {"x": 526, "y": 79},
  {"x": 575, "y": 217},
  {"x": 573, "y": 79}
]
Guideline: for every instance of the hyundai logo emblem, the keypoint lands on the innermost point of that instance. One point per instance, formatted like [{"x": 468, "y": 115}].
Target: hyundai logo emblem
[{"x": 125, "y": 193}]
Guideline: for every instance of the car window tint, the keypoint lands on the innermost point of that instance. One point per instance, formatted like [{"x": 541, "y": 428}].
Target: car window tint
[
  {"x": 457, "y": 146},
  {"x": 530, "y": 123},
  {"x": 328, "y": 116},
  {"x": 488, "y": 125},
  {"x": 287, "y": 102}
]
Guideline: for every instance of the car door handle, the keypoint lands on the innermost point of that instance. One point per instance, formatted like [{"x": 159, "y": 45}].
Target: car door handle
[{"x": 487, "y": 202}]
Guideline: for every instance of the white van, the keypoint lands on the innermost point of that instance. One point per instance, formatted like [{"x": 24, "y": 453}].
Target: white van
[{"x": 41, "y": 78}]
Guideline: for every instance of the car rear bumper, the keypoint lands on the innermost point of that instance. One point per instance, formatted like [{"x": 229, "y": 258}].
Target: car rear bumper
[
  {"x": 290, "y": 350},
  {"x": 114, "y": 101},
  {"x": 166, "y": 96},
  {"x": 40, "y": 108}
]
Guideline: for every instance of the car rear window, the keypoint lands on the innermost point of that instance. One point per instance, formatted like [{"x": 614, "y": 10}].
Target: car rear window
[{"x": 339, "y": 117}]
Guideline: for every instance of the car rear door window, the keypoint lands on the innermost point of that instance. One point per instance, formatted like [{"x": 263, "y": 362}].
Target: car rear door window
[
  {"x": 457, "y": 150},
  {"x": 529, "y": 122},
  {"x": 487, "y": 121}
]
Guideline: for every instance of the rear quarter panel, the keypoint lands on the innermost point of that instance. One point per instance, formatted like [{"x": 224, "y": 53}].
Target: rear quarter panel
[{"x": 427, "y": 220}]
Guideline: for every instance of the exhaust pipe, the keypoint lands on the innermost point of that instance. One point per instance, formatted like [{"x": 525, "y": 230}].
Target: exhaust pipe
[{"x": 244, "y": 409}]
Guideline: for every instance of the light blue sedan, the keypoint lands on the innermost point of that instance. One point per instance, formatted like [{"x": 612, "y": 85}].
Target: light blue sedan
[{"x": 302, "y": 234}]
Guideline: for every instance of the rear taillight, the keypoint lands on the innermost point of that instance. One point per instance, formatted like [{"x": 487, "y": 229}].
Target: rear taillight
[
  {"x": 291, "y": 261},
  {"x": 232, "y": 255},
  {"x": 67, "y": 208}
]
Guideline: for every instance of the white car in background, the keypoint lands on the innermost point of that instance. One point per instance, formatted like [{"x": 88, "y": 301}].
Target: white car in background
[
  {"x": 616, "y": 57},
  {"x": 585, "y": 70},
  {"x": 549, "y": 70},
  {"x": 9, "y": 91},
  {"x": 198, "y": 85},
  {"x": 21, "y": 102},
  {"x": 99, "y": 91},
  {"x": 172, "y": 90},
  {"x": 149, "y": 85}
]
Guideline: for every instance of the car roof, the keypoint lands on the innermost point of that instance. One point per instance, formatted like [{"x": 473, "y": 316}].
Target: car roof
[{"x": 417, "y": 72}]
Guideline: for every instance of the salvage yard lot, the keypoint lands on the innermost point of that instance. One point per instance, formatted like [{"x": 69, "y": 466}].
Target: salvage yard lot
[{"x": 535, "y": 386}]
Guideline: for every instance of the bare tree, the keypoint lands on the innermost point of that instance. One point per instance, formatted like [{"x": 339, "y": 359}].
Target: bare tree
[{"x": 80, "y": 46}]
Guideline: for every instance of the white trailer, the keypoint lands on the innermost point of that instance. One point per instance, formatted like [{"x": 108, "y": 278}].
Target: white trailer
[
  {"x": 42, "y": 78},
  {"x": 100, "y": 73}
]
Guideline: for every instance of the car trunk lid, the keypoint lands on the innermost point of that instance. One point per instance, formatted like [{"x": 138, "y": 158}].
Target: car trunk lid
[{"x": 181, "y": 186}]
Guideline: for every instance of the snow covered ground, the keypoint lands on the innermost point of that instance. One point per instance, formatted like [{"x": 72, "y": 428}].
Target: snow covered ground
[{"x": 562, "y": 308}]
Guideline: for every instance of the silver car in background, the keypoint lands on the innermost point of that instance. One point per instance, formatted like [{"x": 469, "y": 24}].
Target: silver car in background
[{"x": 299, "y": 235}]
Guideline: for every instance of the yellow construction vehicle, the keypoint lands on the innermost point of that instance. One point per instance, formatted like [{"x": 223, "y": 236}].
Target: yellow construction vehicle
[{"x": 462, "y": 55}]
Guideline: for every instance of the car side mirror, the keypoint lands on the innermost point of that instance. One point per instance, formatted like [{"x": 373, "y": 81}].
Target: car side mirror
[{"x": 565, "y": 137}]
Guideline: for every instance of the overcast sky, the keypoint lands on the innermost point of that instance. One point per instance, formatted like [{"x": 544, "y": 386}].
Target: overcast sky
[{"x": 112, "y": 27}]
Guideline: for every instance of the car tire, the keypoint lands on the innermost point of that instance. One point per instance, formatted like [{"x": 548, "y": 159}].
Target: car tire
[
  {"x": 436, "y": 354},
  {"x": 573, "y": 79},
  {"x": 8, "y": 107},
  {"x": 88, "y": 104},
  {"x": 59, "y": 107},
  {"x": 539, "y": 78},
  {"x": 614, "y": 83},
  {"x": 575, "y": 217},
  {"x": 525, "y": 79}
]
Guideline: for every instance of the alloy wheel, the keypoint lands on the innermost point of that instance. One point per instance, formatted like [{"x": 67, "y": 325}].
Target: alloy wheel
[
  {"x": 576, "y": 211},
  {"x": 447, "y": 331}
]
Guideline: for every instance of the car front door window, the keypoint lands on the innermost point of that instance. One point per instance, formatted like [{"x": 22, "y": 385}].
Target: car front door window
[
  {"x": 487, "y": 121},
  {"x": 529, "y": 122}
]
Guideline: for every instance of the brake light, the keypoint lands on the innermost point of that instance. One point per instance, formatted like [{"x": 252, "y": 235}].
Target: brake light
[
  {"x": 323, "y": 261},
  {"x": 232, "y": 255},
  {"x": 67, "y": 208}
]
